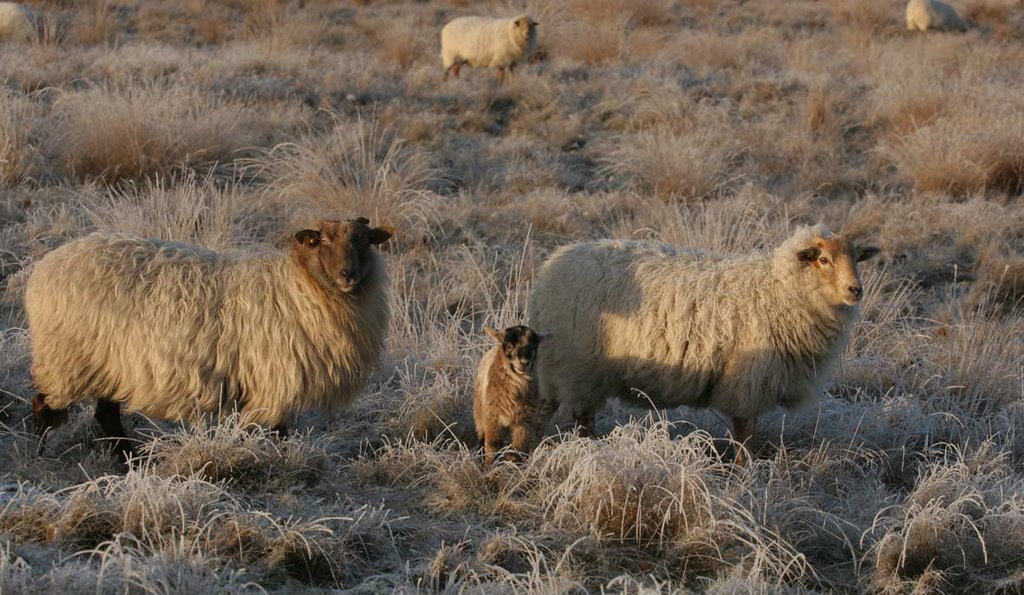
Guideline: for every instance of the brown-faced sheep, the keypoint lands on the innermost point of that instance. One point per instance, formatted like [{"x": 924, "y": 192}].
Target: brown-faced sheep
[
  {"x": 483, "y": 42},
  {"x": 923, "y": 15},
  {"x": 738, "y": 334},
  {"x": 177, "y": 332},
  {"x": 505, "y": 396}
]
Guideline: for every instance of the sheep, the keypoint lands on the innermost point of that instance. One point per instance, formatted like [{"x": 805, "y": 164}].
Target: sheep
[
  {"x": 484, "y": 42},
  {"x": 505, "y": 395},
  {"x": 737, "y": 334},
  {"x": 16, "y": 22},
  {"x": 178, "y": 332},
  {"x": 932, "y": 14}
]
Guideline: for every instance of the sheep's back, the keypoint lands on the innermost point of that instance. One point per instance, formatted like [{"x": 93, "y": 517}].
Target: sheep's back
[
  {"x": 108, "y": 315},
  {"x": 481, "y": 42},
  {"x": 633, "y": 315}
]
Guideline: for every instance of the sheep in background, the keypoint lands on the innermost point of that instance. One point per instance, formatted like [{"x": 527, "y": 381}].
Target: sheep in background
[
  {"x": 483, "y": 42},
  {"x": 737, "y": 334},
  {"x": 16, "y": 22},
  {"x": 932, "y": 14},
  {"x": 505, "y": 395},
  {"x": 176, "y": 332}
]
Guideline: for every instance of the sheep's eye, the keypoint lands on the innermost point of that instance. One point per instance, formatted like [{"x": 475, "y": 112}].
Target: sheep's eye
[{"x": 823, "y": 260}]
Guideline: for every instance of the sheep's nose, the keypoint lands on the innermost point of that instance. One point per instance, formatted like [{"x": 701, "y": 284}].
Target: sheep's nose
[
  {"x": 857, "y": 291},
  {"x": 348, "y": 275}
]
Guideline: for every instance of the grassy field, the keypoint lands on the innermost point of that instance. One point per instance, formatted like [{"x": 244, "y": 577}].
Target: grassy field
[{"x": 720, "y": 125}]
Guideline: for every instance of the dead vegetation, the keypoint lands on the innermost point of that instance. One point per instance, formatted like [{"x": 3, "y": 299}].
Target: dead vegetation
[{"x": 714, "y": 125}]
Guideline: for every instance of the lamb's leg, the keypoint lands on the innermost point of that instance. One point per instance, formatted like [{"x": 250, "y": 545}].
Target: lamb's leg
[
  {"x": 108, "y": 414},
  {"x": 520, "y": 441},
  {"x": 743, "y": 433},
  {"x": 501, "y": 76},
  {"x": 281, "y": 430},
  {"x": 491, "y": 445},
  {"x": 584, "y": 424},
  {"x": 455, "y": 69}
]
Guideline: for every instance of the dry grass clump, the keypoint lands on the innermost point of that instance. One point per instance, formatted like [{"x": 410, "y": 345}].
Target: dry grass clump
[
  {"x": 18, "y": 147},
  {"x": 249, "y": 457},
  {"x": 191, "y": 209},
  {"x": 137, "y": 132},
  {"x": 674, "y": 166},
  {"x": 637, "y": 485},
  {"x": 187, "y": 514},
  {"x": 355, "y": 168},
  {"x": 963, "y": 519}
]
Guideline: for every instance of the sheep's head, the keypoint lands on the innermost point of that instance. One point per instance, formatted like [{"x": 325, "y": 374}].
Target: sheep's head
[
  {"x": 519, "y": 344},
  {"x": 833, "y": 260},
  {"x": 338, "y": 255},
  {"x": 525, "y": 26}
]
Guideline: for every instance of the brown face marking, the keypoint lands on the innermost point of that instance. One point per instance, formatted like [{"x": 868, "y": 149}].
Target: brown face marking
[
  {"x": 835, "y": 260},
  {"x": 337, "y": 256}
]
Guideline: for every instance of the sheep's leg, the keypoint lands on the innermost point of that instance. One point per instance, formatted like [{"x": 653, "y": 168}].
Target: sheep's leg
[
  {"x": 108, "y": 414},
  {"x": 743, "y": 433},
  {"x": 501, "y": 76},
  {"x": 45, "y": 418},
  {"x": 454, "y": 69},
  {"x": 281, "y": 430}
]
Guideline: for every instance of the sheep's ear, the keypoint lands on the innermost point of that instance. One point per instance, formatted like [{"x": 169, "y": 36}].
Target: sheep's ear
[
  {"x": 494, "y": 334},
  {"x": 379, "y": 235},
  {"x": 866, "y": 252},
  {"x": 308, "y": 238},
  {"x": 808, "y": 254}
]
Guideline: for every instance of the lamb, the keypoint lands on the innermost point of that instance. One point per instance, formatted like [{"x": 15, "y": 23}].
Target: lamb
[
  {"x": 177, "y": 332},
  {"x": 505, "y": 396},
  {"x": 16, "y": 22},
  {"x": 932, "y": 14},
  {"x": 737, "y": 334},
  {"x": 484, "y": 42}
]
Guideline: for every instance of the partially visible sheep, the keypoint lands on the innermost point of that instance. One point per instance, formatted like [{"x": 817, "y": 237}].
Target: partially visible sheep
[
  {"x": 483, "y": 42},
  {"x": 505, "y": 396},
  {"x": 176, "y": 332},
  {"x": 16, "y": 22},
  {"x": 739, "y": 334},
  {"x": 932, "y": 14}
]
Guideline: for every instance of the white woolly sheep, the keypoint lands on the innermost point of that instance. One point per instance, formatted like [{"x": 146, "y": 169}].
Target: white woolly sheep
[
  {"x": 923, "y": 15},
  {"x": 16, "y": 22},
  {"x": 505, "y": 395},
  {"x": 483, "y": 42},
  {"x": 739, "y": 334},
  {"x": 177, "y": 332}
]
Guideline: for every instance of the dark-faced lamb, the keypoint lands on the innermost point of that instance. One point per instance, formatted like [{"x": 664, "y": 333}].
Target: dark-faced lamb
[{"x": 505, "y": 396}]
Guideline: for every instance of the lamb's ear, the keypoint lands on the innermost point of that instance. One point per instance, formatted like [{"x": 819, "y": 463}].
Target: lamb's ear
[
  {"x": 379, "y": 235},
  {"x": 308, "y": 238},
  {"x": 866, "y": 252},
  {"x": 496, "y": 335},
  {"x": 808, "y": 254}
]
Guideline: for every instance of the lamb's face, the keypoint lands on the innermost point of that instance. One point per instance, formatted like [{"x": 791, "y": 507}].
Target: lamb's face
[
  {"x": 834, "y": 261},
  {"x": 338, "y": 256},
  {"x": 519, "y": 345}
]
